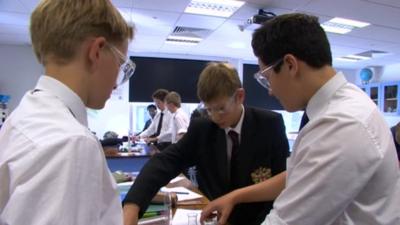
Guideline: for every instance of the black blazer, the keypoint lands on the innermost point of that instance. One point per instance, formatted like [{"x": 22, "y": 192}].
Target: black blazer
[{"x": 262, "y": 153}]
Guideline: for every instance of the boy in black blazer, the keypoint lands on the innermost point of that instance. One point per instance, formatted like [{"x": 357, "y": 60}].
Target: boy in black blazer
[{"x": 223, "y": 164}]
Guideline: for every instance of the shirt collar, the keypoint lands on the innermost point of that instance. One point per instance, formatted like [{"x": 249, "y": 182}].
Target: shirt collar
[
  {"x": 318, "y": 101},
  {"x": 238, "y": 127},
  {"x": 71, "y": 100}
]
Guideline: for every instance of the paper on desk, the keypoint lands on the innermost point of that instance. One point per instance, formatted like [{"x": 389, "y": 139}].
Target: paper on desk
[
  {"x": 181, "y": 218},
  {"x": 176, "y": 179},
  {"x": 189, "y": 195}
]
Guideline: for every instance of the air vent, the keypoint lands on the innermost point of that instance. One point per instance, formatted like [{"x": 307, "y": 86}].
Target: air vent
[
  {"x": 191, "y": 32},
  {"x": 373, "y": 53},
  {"x": 187, "y": 35}
]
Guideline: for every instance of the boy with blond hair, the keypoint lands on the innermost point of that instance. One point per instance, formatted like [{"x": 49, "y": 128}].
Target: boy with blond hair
[
  {"x": 223, "y": 163},
  {"x": 180, "y": 119},
  {"x": 52, "y": 168}
]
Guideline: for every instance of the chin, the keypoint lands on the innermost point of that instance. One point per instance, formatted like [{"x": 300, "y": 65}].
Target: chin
[{"x": 96, "y": 106}]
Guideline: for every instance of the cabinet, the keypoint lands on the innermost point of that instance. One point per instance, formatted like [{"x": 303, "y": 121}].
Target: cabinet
[
  {"x": 385, "y": 95},
  {"x": 373, "y": 91},
  {"x": 390, "y": 98}
]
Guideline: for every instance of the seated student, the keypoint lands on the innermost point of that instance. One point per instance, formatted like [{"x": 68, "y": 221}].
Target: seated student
[
  {"x": 343, "y": 168},
  {"x": 238, "y": 146},
  {"x": 180, "y": 119},
  {"x": 159, "y": 132},
  {"x": 52, "y": 168}
]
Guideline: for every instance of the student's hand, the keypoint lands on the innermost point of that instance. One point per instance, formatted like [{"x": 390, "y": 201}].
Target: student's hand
[
  {"x": 223, "y": 205},
  {"x": 150, "y": 139},
  {"x": 131, "y": 214}
]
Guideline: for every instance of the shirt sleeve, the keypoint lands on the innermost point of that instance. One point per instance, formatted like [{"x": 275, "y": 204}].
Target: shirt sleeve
[
  {"x": 325, "y": 173},
  {"x": 152, "y": 128},
  {"x": 64, "y": 185},
  {"x": 181, "y": 124}
]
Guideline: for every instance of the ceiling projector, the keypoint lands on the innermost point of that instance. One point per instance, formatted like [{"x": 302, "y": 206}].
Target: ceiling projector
[{"x": 259, "y": 18}]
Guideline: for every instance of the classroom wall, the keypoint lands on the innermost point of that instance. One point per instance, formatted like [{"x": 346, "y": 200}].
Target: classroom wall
[{"x": 19, "y": 71}]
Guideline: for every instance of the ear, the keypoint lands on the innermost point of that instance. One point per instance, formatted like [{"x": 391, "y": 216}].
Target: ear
[
  {"x": 240, "y": 94},
  {"x": 94, "y": 51},
  {"x": 292, "y": 63}
]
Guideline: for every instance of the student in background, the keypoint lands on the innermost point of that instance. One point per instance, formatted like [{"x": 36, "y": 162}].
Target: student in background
[
  {"x": 159, "y": 132},
  {"x": 343, "y": 168},
  {"x": 180, "y": 119},
  {"x": 238, "y": 146},
  {"x": 152, "y": 111},
  {"x": 52, "y": 168}
]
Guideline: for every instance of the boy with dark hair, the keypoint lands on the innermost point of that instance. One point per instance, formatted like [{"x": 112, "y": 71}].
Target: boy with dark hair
[
  {"x": 343, "y": 168},
  {"x": 159, "y": 130}
]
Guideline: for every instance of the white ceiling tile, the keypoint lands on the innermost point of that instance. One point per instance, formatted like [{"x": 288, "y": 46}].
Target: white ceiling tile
[
  {"x": 123, "y": 3},
  {"x": 162, "y": 5},
  {"x": 358, "y": 10},
  {"x": 393, "y": 3},
  {"x": 154, "y": 18},
  {"x": 378, "y": 33}
]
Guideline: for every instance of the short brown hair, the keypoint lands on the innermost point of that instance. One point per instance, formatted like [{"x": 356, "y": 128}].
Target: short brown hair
[
  {"x": 217, "y": 80},
  {"x": 58, "y": 28},
  {"x": 160, "y": 94},
  {"x": 173, "y": 98}
]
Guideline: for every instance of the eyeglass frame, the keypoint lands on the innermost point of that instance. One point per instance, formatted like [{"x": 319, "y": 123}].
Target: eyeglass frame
[
  {"x": 127, "y": 67},
  {"x": 262, "y": 79},
  {"x": 221, "y": 110}
]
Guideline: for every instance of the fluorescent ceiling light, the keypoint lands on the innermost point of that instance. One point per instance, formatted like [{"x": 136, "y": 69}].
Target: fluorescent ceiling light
[
  {"x": 360, "y": 57},
  {"x": 175, "y": 42},
  {"x": 182, "y": 40},
  {"x": 342, "y": 25},
  {"x": 220, "y": 8},
  {"x": 333, "y": 28},
  {"x": 353, "y": 23},
  {"x": 347, "y": 59}
]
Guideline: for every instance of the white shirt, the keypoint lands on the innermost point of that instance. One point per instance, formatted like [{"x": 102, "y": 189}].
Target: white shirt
[
  {"x": 52, "y": 168},
  {"x": 179, "y": 124},
  {"x": 165, "y": 134},
  {"x": 343, "y": 169}
]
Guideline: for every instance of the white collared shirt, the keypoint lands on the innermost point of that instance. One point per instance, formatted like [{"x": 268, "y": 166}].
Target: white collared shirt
[
  {"x": 343, "y": 169},
  {"x": 179, "y": 124},
  {"x": 52, "y": 168},
  {"x": 165, "y": 133}
]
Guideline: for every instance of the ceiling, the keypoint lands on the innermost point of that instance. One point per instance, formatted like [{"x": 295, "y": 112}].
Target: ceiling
[{"x": 156, "y": 19}]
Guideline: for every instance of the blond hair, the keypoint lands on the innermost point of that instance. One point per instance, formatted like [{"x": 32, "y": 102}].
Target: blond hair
[
  {"x": 173, "y": 98},
  {"x": 59, "y": 27},
  {"x": 217, "y": 80}
]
